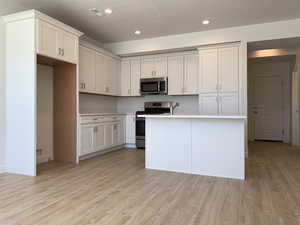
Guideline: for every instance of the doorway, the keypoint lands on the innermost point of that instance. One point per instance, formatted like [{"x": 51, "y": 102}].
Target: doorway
[{"x": 273, "y": 93}]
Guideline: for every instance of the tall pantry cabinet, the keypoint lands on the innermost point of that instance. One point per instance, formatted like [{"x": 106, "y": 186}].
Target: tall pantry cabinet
[{"x": 219, "y": 80}]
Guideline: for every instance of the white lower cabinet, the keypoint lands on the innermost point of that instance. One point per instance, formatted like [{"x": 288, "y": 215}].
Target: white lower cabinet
[
  {"x": 86, "y": 139},
  {"x": 101, "y": 133},
  {"x": 130, "y": 129}
]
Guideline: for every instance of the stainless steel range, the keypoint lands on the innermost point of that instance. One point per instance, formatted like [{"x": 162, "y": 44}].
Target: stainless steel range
[{"x": 150, "y": 108}]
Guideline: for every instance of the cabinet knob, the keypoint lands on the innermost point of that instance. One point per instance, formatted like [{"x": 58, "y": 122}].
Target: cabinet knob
[{"x": 63, "y": 52}]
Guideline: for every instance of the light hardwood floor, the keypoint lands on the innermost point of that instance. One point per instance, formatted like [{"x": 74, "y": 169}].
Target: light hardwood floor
[{"x": 115, "y": 189}]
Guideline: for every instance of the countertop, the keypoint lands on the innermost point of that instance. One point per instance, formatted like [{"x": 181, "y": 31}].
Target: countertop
[
  {"x": 105, "y": 114},
  {"x": 192, "y": 116}
]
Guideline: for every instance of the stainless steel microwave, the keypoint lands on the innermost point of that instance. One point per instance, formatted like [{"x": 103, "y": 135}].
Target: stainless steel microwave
[{"x": 154, "y": 86}]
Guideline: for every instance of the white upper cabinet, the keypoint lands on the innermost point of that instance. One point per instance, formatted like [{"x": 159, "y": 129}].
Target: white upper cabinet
[
  {"x": 219, "y": 75},
  {"x": 98, "y": 73},
  {"x": 228, "y": 69},
  {"x": 87, "y": 76},
  {"x": 154, "y": 66},
  {"x": 100, "y": 70},
  {"x": 183, "y": 74},
  {"x": 208, "y": 70},
  {"x": 57, "y": 43},
  {"x": 69, "y": 47},
  {"x": 130, "y": 77},
  {"x": 48, "y": 40},
  {"x": 125, "y": 78},
  {"x": 135, "y": 74},
  {"x": 176, "y": 75},
  {"x": 191, "y": 74}
]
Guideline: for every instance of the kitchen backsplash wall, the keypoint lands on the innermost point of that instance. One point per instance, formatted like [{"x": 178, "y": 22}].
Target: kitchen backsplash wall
[
  {"x": 187, "y": 104},
  {"x": 106, "y": 104},
  {"x": 97, "y": 104}
]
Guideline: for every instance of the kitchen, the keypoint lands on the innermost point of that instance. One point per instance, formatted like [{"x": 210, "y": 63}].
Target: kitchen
[
  {"x": 116, "y": 95},
  {"x": 110, "y": 119}
]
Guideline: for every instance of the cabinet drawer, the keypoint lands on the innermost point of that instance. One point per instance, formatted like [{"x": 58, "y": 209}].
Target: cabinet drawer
[{"x": 92, "y": 119}]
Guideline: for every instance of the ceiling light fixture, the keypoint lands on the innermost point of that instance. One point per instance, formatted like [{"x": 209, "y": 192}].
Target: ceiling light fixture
[
  {"x": 137, "y": 32},
  {"x": 108, "y": 11},
  {"x": 205, "y": 22}
]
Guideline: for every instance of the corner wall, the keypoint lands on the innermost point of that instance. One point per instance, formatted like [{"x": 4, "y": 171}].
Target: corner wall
[{"x": 2, "y": 96}]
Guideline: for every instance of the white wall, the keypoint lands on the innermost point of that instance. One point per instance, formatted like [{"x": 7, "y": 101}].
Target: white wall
[
  {"x": 97, "y": 104},
  {"x": 107, "y": 104},
  {"x": 272, "y": 67},
  {"x": 2, "y": 96},
  {"x": 187, "y": 104},
  {"x": 44, "y": 112}
]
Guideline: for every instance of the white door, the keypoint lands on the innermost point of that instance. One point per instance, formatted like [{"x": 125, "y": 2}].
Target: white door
[
  {"x": 148, "y": 67},
  {"x": 86, "y": 139},
  {"x": 69, "y": 43},
  {"x": 99, "y": 137},
  {"x": 208, "y": 70},
  {"x": 135, "y": 67},
  {"x": 48, "y": 40},
  {"x": 87, "y": 69},
  {"x": 175, "y": 79},
  {"x": 125, "y": 78},
  {"x": 268, "y": 108},
  {"x": 228, "y": 104},
  {"x": 100, "y": 73},
  {"x": 109, "y": 135},
  {"x": 295, "y": 109},
  {"x": 208, "y": 104},
  {"x": 190, "y": 74},
  {"x": 228, "y": 69}
]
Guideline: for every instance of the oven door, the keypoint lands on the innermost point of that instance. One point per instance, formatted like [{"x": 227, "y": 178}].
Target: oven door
[{"x": 150, "y": 87}]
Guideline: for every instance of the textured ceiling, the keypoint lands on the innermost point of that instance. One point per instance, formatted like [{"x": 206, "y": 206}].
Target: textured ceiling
[{"x": 156, "y": 17}]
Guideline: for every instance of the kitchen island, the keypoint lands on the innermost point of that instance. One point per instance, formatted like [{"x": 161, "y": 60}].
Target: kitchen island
[{"x": 196, "y": 144}]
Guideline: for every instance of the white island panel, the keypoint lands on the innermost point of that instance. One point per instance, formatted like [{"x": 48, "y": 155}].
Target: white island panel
[
  {"x": 168, "y": 145},
  {"x": 218, "y": 148},
  {"x": 204, "y": 146}
]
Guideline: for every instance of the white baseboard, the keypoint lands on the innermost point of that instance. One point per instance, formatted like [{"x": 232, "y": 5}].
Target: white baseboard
[
  {"x": 100, "y": 152},
  {"x": 2, "y": 169}
]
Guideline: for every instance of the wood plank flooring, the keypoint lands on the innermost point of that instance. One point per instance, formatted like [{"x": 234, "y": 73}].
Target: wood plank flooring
[{"x": 115, "y": 189}]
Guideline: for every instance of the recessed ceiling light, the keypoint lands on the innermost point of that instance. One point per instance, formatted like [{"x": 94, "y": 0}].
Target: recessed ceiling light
[
  {"x": 108, "y": 11},
  {"x": 205, "y": 22},
  {"x": 137, "y": 32}
]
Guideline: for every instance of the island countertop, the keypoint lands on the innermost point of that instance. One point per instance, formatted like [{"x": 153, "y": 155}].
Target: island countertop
[{"x": 193, "y": 116}]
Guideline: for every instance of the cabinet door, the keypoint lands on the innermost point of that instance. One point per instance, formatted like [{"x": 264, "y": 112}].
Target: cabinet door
[
  {"x": 108, "y": 135},
  {"x": 87, "y": 69},
  {"x": 228, "y": 69},
  {"x": 86, "y": 139},
  {"x": 135, "y": 67},
  {"x": 116, "y": 134},
  {"x": 69, "y": 46},
  {"x": 123, "y": 130},
  {"x": 175, "y": 79},
  {"x": 116, "y": 64},
  {"x": 190, "y": 74},
  {"x": 161, "y": 66},
  {"x": 228, "y": 104},
  {"x": 125, "y": 78},
  {"x": 148, "y": 67},
  {"x": 208, "y": 70},
  {"x": 48, "y": 40},
  {"x": 99, "y": 137},
  {"x": 130, "y": 129},
  {"x": 100, "y": 73},
  {"x": 208, "y": 104}
]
